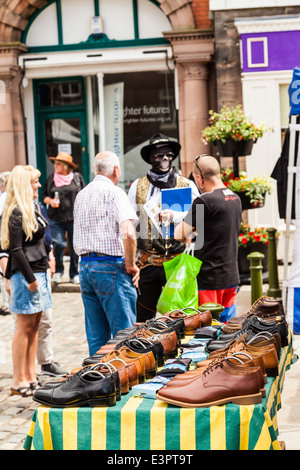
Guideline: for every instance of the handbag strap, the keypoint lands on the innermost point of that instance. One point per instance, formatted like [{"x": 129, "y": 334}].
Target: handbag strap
[{"x": 190, "y": 249}]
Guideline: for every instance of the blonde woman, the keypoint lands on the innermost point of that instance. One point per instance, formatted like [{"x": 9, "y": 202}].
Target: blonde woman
[{"x": 22, "y": 234}]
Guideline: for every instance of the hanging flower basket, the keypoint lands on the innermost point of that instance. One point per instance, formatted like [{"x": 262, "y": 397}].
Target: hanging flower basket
[
  {"x": 252, "y": 191},
  {"x": 247, "y": 204},
  {"x": 232, "y": 124},
  {"x": 233, "y": 148}
]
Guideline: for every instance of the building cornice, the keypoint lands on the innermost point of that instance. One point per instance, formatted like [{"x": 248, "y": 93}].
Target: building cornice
[
  {"x": 215, "y": 5},
  {"x": 188, "y": 35},
  {"x": 268, "y": 24}
]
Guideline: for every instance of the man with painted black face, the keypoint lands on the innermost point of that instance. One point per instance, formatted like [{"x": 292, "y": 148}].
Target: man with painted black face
[{"x": 153, "y": 249}]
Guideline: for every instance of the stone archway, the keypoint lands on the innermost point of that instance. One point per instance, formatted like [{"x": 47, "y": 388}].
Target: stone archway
[{"x": 15, "y": 14}]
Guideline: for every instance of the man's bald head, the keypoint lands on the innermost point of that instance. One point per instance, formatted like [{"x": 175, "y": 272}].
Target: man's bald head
[{"x": 208, "y": 167}]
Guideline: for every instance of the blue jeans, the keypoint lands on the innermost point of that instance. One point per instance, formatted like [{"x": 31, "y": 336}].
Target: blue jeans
[
  {"x": 58, "y": 233},
  {"x": 109, "y": 300}
]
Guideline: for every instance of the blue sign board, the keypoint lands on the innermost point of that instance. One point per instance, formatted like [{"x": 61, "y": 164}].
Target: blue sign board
[{"x": 294, "y": 92}]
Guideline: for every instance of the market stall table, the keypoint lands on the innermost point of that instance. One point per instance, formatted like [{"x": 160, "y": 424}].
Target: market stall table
[{"x": 147, "y": 424}]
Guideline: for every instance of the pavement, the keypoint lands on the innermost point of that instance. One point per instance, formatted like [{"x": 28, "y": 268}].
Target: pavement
[{"x": 70, "y": 348}]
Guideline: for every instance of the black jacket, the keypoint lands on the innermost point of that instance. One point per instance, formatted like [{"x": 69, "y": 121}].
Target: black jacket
[{"x": 67, "y": 195}]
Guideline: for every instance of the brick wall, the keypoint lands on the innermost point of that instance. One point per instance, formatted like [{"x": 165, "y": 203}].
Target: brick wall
[{"x": 201, "y": 13}]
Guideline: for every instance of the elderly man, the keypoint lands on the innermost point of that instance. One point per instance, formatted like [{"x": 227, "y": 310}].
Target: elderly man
[
  {"x": 155, "y": 249},
  {"x": 104, "y": 238},
  {"x": 217, "y": 212}
]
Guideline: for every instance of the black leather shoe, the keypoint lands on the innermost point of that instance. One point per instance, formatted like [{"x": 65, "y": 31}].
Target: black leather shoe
[
  {"x": 105, "y": 369},
  {"x": 255, "y": 325},
  {"x": 85, "y": 388},
  {"x": 168, "y": 324}
]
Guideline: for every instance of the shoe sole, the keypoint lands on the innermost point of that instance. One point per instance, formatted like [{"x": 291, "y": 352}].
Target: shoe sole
[
  {"x": 238, "y": 400},
  {"x": 100, "y": 402}
]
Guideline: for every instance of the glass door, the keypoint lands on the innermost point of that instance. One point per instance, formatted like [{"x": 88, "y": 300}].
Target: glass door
[
  {"x": 67, "y": 133},
  {"x": 61, "y": 124}
]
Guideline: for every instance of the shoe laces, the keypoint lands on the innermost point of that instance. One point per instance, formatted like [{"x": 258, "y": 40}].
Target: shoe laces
[{"x": 219, "y": 362}]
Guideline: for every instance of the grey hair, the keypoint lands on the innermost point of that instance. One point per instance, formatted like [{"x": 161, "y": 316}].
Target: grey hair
[{"x": 105, "y": 163}]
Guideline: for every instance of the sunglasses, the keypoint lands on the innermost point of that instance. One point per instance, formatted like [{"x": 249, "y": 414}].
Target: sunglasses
[
  {"x": 195, "y": 161},
  {"x": 162, "y": 155}
]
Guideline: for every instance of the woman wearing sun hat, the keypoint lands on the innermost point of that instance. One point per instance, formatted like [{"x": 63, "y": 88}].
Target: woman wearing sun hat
[{"x": 67, "y": 183}]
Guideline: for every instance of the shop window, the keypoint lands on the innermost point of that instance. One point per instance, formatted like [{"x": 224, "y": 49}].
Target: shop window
[
  {"x": 60, "y": 93},
  {"x": 137, "y": 105}
]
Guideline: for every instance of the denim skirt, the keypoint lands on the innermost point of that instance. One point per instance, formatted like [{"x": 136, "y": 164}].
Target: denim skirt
[{"x": 26, "y": 302}]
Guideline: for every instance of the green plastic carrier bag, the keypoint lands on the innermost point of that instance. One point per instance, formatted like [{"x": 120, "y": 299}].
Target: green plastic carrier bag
[{"x": 181, "y": 289}]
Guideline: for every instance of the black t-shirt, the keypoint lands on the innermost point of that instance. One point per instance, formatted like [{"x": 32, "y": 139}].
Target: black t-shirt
[{"x": 216, "y": 216}]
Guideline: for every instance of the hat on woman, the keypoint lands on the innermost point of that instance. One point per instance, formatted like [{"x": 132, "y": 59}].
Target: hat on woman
[
  {"x": 64, "y": 158},
  {"x": 157, "y": 141}
]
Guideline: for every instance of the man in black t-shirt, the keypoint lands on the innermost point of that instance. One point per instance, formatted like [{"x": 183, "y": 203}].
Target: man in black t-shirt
[{"x": 215, "y": 218}]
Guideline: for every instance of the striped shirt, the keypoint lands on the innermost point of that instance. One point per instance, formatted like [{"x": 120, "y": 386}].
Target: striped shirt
[{"x": 99, "y": 210}]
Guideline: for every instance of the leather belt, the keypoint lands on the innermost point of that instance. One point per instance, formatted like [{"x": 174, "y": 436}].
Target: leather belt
[
  {"x": 147, "y": 259},
  {"x": 93, "y": 254}
]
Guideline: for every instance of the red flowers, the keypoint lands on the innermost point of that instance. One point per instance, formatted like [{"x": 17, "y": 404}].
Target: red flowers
[{"x": 249, "y": 236}]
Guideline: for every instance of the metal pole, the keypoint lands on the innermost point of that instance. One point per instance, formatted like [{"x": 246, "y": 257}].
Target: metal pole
[
  {"x": 274, "y": 290},
  {"x": 288, "y": 215}
]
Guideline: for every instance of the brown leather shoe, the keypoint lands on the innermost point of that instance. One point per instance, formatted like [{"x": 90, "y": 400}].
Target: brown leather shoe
[
  {"x": 221, "y": 383},
  {"x": 192, "y": 321},
  {"x": 265, "y": 348},
  {"x": 240, "y": 359},
  {"x": 138, "y": 361},
  {"x": 147, "y": 358},
  {"x": 130, "y": 368},
  {"x": 169, "y": 342},
  {"x": 265, "y": 307},
  {"x": 122, "y": 372}
]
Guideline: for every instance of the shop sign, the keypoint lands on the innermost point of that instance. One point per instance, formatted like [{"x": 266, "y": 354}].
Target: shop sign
[{"x": 294, "y": 92}]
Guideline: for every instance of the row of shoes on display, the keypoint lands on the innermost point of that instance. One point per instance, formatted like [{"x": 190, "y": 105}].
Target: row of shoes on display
[
  {"x": 240, "y": 358},
  {"x": 184, "y": 358},
  {"x": 128, "y": 359}
]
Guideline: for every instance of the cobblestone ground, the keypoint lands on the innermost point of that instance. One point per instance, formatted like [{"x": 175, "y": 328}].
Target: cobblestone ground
[{"x": 70, "y": 348}]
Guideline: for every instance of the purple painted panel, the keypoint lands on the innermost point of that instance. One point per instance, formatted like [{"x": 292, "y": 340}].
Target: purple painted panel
[
  {"x": 257, "y": 52},
  {"x": 283, "y": 51}
]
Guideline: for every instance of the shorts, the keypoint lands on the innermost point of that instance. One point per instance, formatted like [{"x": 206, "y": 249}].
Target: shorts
[
  {"x": 26, "y": 302},
  {"x": 224, "y": 297}
]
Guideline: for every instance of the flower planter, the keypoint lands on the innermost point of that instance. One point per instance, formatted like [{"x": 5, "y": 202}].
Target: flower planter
[
  {"x": 233, "y": 148},
  {"x": 245, "y": 200}
]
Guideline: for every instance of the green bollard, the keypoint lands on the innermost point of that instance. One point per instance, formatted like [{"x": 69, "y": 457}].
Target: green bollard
[
  {"x": 274, "y": 290},
  {"x": 215, "y": 309},
  {"x": 256, "y": 275}
]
